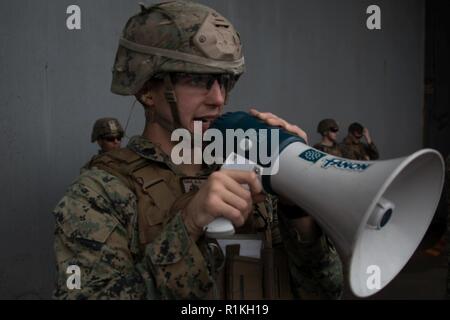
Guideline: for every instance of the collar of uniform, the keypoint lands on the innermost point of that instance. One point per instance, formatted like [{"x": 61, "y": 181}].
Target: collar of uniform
[
  {"x": 149, "y": 150},
  {"x": 327, "y": 146}
]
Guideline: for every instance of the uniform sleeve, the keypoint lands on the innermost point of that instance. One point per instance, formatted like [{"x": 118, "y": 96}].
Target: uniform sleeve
[
  {"x": 91, "y": 234},
  {"x": 315, "y": 268},
  {"x": 372, "y": 151},
  {"x": 96, "y": 230}
]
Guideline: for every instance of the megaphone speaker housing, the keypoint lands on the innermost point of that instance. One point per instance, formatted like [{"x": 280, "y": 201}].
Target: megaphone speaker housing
[{"x": 375, "y": 212}]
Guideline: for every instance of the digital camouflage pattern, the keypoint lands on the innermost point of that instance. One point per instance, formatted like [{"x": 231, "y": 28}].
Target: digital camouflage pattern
[
  {"x": 358, "y": 150},
  {"x": 106, "y": 127},
  {"x": 98, "y": 229},
  {"x": 334, "y": 149},
  {"x": 176, "y": 36}
]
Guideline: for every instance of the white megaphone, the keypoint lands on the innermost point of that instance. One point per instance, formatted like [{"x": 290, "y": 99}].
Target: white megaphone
[{"x": 375, "y": 212}]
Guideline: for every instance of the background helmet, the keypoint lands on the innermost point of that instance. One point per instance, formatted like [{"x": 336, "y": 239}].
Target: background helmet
[
  {"x": 176, "y": 36},
  {"x": 106, "y": 127},
  {"x": 356, "y": 127},
  {"x": 325, "y": 125}
]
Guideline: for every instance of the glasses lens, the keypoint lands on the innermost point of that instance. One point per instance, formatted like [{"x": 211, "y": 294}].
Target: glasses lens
[{"x": 204, "y": 81}]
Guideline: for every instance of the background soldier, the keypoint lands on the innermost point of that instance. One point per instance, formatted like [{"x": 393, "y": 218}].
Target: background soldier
[
  {"x": 329, "y": 129},
  {"x": 128, "y": 223},
  {"x": 108, "y": 133},
  {"x": 353, "y": 148}
]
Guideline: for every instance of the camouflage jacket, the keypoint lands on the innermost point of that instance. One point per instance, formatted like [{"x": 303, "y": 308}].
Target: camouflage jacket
[
  {"x": 87, "y": 165},
  {"x": 358, "y": 150},
  {"x": 97, "y": 229},
  {"x": 334, "y": 149}
]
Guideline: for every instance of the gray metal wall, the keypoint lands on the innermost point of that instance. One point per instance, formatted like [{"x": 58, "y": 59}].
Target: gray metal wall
[{"x": 306, "y": 60}]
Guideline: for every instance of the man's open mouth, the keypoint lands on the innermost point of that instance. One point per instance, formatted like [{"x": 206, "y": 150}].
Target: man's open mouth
[{"x": 206, "y": 121}]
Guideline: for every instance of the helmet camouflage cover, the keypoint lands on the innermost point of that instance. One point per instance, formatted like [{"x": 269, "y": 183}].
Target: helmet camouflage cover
[
  {"x": 176, "y": 36},
  {"x": 326, "y": 124},
  {"x": 106, "y": 127}
]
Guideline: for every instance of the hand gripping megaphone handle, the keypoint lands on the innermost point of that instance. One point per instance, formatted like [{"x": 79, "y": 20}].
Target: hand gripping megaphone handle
[{"x": 221, "y": 227}]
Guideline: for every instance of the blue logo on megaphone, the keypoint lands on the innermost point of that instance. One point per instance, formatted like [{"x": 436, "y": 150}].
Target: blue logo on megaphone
[{"x": 312, "y": 155}]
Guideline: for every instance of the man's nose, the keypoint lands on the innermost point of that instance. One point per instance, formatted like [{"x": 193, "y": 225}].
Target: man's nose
[{"x": 216, "y": 95}]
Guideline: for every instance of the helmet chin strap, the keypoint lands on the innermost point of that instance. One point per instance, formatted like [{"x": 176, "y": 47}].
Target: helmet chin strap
[{"x": 171, "y": 98}]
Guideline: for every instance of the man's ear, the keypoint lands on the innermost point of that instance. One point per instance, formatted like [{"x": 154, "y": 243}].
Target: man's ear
[{"x": 145, "y": 97}]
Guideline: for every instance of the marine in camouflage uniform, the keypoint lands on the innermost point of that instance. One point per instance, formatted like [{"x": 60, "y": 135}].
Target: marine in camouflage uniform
[
  {"x": 106, "y": 127},
  {"x": 123, "y": 220},
  {"x": 328, "y": 129},
  {"x": 108, "y": 134},
  {"x": 353, "y": 148},
  {"x": 107, "y": 130}
]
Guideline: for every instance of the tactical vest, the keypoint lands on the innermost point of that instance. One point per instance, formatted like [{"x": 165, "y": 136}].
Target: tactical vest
[{"x": 160, "y": 195}]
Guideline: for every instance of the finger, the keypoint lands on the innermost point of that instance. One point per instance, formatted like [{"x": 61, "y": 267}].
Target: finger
[
  {"x": 265, "y": 115},
  {"x": 239, "y": 177},
  {"x": 230, "y": 213},
  {"x": 229, "y": 183},
  {"x": 275, "y": 122},
  {"x": 242, "y": 202},
  {"x": 302, "y": 134},
  {"x": 242, "y": 192}
]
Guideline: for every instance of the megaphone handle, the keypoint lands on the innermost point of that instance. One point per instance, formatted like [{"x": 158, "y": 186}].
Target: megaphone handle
[{"x": 220, "y": 227}]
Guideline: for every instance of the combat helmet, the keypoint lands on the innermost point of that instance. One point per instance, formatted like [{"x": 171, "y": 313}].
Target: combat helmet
[
  {"x": 106, "y": 127},
  {"x": 175, "y": 36},
  {"x": 327, "y": 124}
]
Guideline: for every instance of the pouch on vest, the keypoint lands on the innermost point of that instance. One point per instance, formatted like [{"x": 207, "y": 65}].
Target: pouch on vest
[
  {"x": 155, "y": 195},
  {"x": 243, "y": 276},
  {"x": 277, "y": 282}
]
